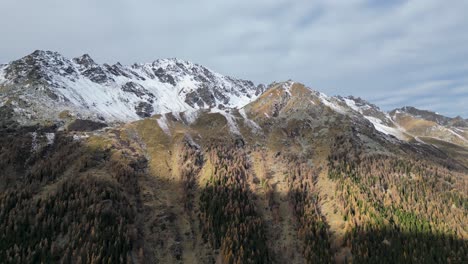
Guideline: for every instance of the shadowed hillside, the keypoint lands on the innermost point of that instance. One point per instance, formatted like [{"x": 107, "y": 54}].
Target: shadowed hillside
[{"x": 197, "y": 193}]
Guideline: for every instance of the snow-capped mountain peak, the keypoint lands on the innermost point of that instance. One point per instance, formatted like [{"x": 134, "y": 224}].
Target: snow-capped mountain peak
[{"x": 50, "y": 84}]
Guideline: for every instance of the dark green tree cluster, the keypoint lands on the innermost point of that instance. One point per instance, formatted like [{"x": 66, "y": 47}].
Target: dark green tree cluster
[
  {"x": 228, "y": 214},
  {"x": 400, "y": 209},
  {"x": 312, "y": 227},
  {"x": 22, "y": 164},
  {"x": 85, "y": 221},
  {"x": 190, "y": 164},
  {"x": 67, "y": 203}
]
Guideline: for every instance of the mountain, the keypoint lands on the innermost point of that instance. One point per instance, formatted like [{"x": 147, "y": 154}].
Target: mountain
[
  {"x": 410, "y": 123},
  {"x": 432, "y": 116},
  {"x": 45, "y": 85},
  {"x": 426, "y": 124},
  {"x": 220, "y": 171}
]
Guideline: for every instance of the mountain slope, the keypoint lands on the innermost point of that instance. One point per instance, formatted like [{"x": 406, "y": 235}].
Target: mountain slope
[{"x": 409, "y": 123}]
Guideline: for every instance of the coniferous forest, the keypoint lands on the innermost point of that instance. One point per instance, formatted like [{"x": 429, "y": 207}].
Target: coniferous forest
[{"x": 89, "y": 201}]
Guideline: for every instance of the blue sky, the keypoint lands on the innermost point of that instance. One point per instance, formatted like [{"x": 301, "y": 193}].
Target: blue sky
[{"x": 392, "y": 53}]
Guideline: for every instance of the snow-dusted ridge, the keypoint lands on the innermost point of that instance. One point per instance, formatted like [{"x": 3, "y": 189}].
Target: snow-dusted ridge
[
  {"x": 332, "y": 103},
  {"x": 381, "y": 121},
  {"x": 52, "y": 83}
]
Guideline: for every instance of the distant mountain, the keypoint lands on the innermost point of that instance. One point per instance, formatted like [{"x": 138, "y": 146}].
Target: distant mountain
[
  {"x": 426, "y": 124},
  {"x": 431, "y": 116}
]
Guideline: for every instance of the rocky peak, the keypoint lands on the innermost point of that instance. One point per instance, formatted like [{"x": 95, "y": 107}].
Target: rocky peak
[
  {"x": 85, "y": 60},
  {"x": 91, "y": 69},
  {"x": 39, "y": 66},
  {"x": 431, "y": 116},
  {"x": 260, "y": 89},
  {"x": 423, "y": 114}
]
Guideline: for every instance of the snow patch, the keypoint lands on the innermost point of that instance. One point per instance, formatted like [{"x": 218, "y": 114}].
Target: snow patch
[
  {"x": 385, "y": 129},
  {"x": 34, "y": 143},
  {"x": 79, "y": 137},
  {"x": 50, "y": 138},
  {"x": 254, "y": 126},
  {"x": 162, "y": 122},
  {"x": 328, "y": 102},
  {"x": 457, "y": 135},
  {"x": 287, "y": 87},
  {"x": 419, "y": 140},
  {"x": 352, "y": 105},
  {"x": 459, "y": 129},
  {"x": 2, "y": 74},
  {"x": 191, "y": 116},
  {"x": 231, "y": 120}
]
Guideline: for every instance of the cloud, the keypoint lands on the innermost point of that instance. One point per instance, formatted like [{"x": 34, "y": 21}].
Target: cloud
[
  {"x": 446, "y": 96},
  {"x": 390, "y": 52}
]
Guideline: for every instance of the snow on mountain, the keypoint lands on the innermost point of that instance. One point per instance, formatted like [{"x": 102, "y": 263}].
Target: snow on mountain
[
  {"x": 162, "y": 122},
  {"x": 294, "y": 99},
  {"x": 332, "y": 103},
  {"x": 409, "y": 122},
  {"x": 379, "y": 126},
  {"x": 2, "y": 73},
  {"x": 231, "y": 120},
  {"x": 250, "y": 123},
  {"x": 381, "y": 120},
  {"x": 44, "y": 84}
]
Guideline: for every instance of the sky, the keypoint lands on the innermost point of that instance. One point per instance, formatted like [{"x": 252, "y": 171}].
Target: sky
[{"x": 392, "y": 53}]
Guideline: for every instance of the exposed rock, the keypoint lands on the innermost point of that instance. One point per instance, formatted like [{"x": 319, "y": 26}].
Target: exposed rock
[
  {"x": 164, "y": 77},
  {"x": 144, "y": 109},
  {"x": 85, "y": 125},
  {"x": 137, "y": 89}
]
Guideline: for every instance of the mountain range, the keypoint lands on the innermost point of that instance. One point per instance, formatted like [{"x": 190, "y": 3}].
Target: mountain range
[
  {"x": 171, "y": 162},
  {"x": 46, "y": 86}
]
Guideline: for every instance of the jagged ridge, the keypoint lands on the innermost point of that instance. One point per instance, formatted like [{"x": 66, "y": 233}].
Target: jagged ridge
[{"x": 116, "y": 92}]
